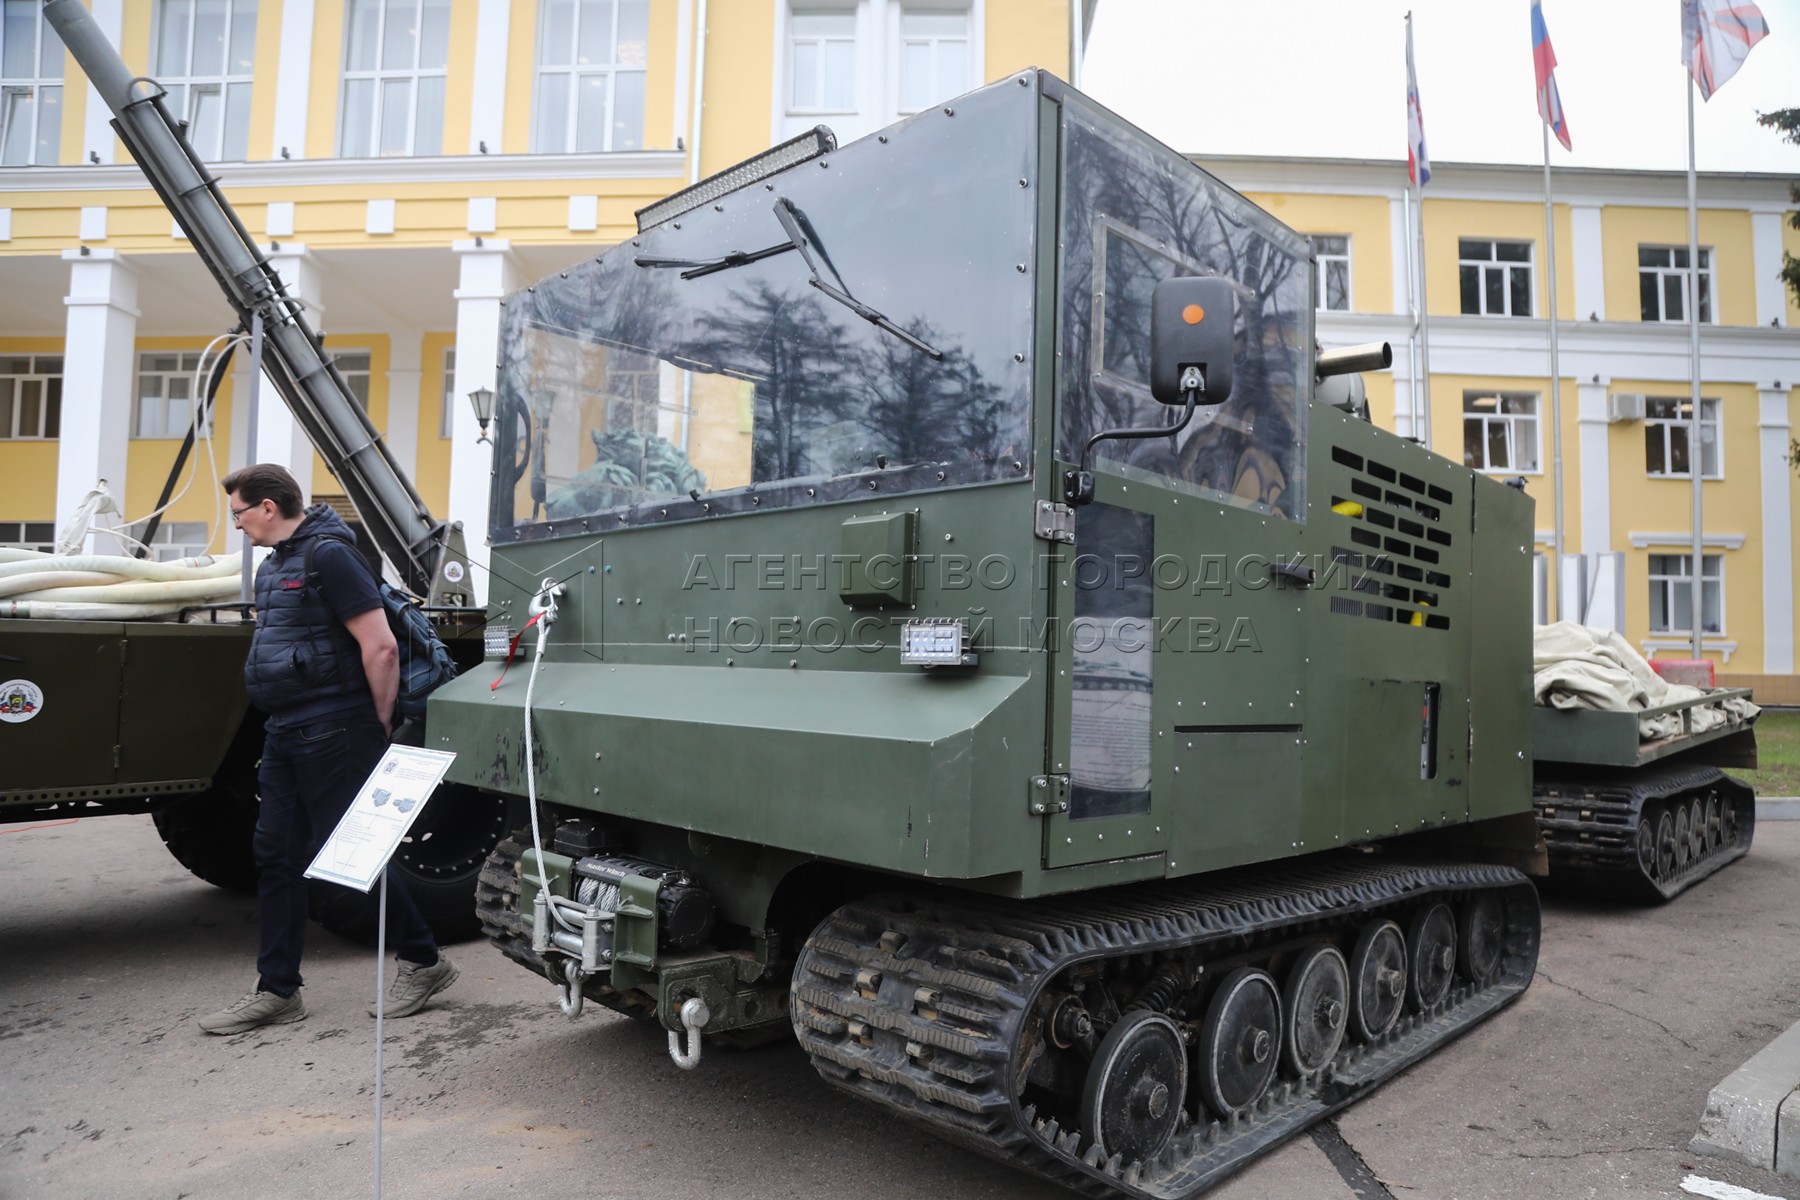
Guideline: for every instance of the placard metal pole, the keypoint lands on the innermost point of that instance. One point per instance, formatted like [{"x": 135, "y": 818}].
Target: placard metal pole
[{"x": 380, "y": 1014}]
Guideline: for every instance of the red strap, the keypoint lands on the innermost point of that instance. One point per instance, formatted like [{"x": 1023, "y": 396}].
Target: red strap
[{"x": 510, "y": 651}]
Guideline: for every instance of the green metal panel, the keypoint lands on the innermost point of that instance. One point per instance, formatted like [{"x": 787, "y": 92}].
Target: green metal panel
[
  {"x": 181, "y": 698},
  {"x": 1500, "y": 705},
  {"x": 1580, "y": 735},
  {"x": 69, "y": 742},
  {"x": 879, "y": 559}
]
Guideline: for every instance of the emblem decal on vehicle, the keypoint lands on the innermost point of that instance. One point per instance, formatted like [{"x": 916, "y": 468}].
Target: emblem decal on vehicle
[{"x": 20, "y": 700}]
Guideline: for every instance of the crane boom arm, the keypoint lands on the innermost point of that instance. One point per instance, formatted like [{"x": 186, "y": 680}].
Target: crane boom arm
[{"x": 293, "y": 358}]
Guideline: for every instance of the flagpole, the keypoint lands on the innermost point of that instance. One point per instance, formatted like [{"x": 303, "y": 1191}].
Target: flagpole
[
  {"x": 1556, "y": 423},
  {"x": 1424, "y": 438},
  {"x": 1696, "y": 455},
  {"x": 1412, "y": 325}
]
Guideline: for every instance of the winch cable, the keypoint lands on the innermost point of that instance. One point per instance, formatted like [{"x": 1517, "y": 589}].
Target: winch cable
[{"x": 556, "y": 903}]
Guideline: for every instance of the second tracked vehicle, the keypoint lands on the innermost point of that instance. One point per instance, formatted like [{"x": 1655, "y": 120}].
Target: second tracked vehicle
[{"x": 959, "y": 639}]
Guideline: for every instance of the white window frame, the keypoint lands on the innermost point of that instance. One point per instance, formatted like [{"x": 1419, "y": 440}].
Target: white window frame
[
  {"x": 447, "y": 409},
  {"x": 50, "y": 379},
  {"x": 1680, "y": 583},
  {"x": 176, "y": 540},
  {"x": 357, "y": 366},
  {"x": 185, "y": 87},
  {"x": 1667, "y": 427},
  {"x": 1710, "y": 315},
  {"x": 143, "y": 400},
  {"x": 379, "y": 75},
  {"x": 940, "y": 89},
  {"x": 17, "y": 535},
  {"x": 576, "y": 72},
  {"x": 1495, "y": 263},
  {"x": 877, "y": 57},
  {"x": 1327, "y": 259},
  {"x": 1511, "y": 422},
  {"x": 42, "y": 91},
  {"x": 817, "y": 107}
]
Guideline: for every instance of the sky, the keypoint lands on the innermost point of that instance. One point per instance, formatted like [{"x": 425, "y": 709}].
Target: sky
[{"x": 1327, "y": 78}]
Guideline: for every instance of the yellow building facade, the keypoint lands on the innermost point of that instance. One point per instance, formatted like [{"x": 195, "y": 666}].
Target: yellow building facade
[
  {"x": 1622, "y": 286},
  {"x": 406, "y": 163}
]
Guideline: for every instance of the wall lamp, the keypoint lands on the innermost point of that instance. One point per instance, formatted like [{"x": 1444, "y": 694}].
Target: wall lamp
[{"x": 483, "y": 401}]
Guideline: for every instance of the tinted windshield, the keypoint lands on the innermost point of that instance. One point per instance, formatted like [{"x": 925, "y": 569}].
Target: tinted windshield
[{"x": 644, "y": 391}]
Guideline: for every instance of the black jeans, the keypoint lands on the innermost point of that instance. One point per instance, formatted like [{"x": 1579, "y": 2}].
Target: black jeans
[{"x": 310, "y": 774}]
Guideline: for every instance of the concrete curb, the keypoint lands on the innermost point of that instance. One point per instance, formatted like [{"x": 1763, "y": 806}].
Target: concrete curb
[
  {"x": 1778, "y": 808},
  {"x": 1747, "y": 1115}
]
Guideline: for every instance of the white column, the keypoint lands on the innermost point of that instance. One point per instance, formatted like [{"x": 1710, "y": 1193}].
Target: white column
[
  {"x": 279, "y": 438},
  {"x": 402, "y": 433},
  {"x": 493, "y": 23},
  {"x": 1398, "y": 237},
  {"x": 98, "y": 371},
  {"x": 293, "y": 79},
  {"x": 1596, "y": 468},
  {"x": 487, "y": 273},
  {"x": 97, "y": 134},
  {"x": 1771, "y": 292},
  {"x": 1589, "y": 262},
  {"x": 1777, "y": 533}
]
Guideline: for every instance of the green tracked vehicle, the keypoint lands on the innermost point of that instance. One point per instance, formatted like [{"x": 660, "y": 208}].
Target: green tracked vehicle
[{"x": 935, "y": 619}]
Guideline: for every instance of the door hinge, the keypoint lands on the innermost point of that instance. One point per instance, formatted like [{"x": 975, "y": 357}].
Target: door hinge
[
  {"x": 115, "y": 758},
  {"x": 1049, "y": 794},
  {"x": 1055, "y": 522}
]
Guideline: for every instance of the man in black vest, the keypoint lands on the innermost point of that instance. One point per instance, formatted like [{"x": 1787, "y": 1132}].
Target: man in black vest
[{"x": 324, "y": 666}]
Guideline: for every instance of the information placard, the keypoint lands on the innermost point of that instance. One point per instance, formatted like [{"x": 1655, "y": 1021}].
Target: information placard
[{"x": 371, "y": 830}]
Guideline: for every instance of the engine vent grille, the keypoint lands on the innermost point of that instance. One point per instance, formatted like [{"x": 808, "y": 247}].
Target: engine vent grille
[{"x": 1398, "y": 529}]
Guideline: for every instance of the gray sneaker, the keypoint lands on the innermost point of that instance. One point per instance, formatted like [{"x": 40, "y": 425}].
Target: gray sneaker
[
  {"x": 254, "y": 1010},
  {"x": 414, "y": 985}
]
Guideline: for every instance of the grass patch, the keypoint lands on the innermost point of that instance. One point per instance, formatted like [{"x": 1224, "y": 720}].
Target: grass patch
[{"x": 1778, "y": 752}]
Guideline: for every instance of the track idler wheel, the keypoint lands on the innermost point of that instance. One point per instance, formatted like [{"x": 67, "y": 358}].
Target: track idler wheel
[
  {"x": 1315, "y": 1007},
  {"x": 1135, "y": 1087},
  {"x": 1480, "y": 937},
  {"x": 1715, "y": 822},
  {"x": 1239, "y": 1041},
  {"x": 1696, "y": 828},
  {"x": 1684, "y": 839},
  {"x": 1431, "y": 955},
  {"x": 1377, "y": 980}
]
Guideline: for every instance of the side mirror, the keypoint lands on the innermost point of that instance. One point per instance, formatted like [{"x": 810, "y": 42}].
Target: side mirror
[{"x": 1192, "y": 324}]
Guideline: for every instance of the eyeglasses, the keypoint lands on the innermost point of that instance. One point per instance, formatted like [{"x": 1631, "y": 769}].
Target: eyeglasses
[{"x": 237, "y": 514}]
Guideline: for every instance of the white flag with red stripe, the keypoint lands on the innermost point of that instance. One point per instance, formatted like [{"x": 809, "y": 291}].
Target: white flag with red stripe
[{"x": 1716, "y": 37}]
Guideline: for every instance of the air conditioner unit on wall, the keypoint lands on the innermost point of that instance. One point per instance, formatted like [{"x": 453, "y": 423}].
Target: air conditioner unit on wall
[{"x": 1624, "y": 406}]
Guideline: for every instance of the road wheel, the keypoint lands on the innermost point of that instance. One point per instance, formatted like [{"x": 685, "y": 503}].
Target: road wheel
[{"x": 211, "y": 833}]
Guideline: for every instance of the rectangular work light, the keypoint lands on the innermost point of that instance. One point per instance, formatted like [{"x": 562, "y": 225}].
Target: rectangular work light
[{"x": 936, "y": 642}]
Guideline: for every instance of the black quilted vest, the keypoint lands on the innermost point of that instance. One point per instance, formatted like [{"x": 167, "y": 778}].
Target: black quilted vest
[{"x": 303, "y": 664}]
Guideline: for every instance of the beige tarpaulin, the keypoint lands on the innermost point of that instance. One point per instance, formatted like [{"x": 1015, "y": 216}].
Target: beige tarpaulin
[{"x": 1577, "y": 667}]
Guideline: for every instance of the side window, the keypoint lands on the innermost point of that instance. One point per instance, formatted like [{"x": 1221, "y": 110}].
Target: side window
[
  {"x": 30, "y": 396},
  {"x": 1333, "y": 254},
  {"x": 395, "y": 54},
  {"x": 447, "y": 402},
  {"x": 1667, "y": 430},
  {"x": 822, "y": 60},
  {"x": 1500, "y": 431},
  {"x": 203, "y": 52},
  {"x": 354, "y": 366},
  {"x": 1672, "y": 595},
  {"x": 28, "y": 535},
  {"x": 31, "y": 78},
  {"x": 1495, "y": 277},
  {"x": 166, "y": 388},
  {"x": 1664, "y": 281},
  {"x": 590, "y": 76},
  {"x": 934, "y": 56}
]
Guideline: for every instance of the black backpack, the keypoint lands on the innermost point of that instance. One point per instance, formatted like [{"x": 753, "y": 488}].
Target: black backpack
[{"x": 425, "y": 663}]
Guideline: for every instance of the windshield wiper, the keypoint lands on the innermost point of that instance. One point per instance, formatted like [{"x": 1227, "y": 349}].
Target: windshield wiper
[
  {"x": 693, "y": 268},
  {"x": 799, "y": 230}
]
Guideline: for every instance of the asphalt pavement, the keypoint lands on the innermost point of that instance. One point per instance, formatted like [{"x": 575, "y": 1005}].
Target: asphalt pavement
[{"x": 1589, "y": 1086}]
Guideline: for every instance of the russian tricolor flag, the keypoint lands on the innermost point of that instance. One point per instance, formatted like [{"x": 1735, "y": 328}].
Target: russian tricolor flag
[{"x": 1544, "y": 60}]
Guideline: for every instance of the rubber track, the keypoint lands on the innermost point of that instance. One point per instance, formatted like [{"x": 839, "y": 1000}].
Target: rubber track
[
  {"x": 1598, "y": 855},
  {"x": 945, "y": 1056}
]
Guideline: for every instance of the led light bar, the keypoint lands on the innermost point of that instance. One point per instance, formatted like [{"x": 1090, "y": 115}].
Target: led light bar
[
  {"x": 496, "y": 639},
  {"x": 809, "y": 145},
  {"x": 936, "y": 642}
]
